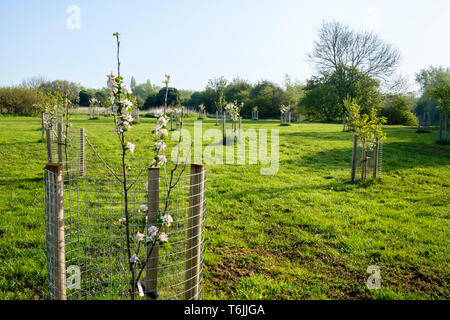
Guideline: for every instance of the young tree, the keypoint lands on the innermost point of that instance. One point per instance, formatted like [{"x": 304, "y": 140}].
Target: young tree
[
  {"x": 441, "y": 92},
  {"x": 368, "y": 128}
]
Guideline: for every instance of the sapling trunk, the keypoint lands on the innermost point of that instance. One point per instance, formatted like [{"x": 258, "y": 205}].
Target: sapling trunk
[{"x": 363, "y": 160}]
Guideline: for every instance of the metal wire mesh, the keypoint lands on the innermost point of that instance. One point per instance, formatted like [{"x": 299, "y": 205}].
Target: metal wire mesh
[
  {"x": 374, "y": 158},
  {"x": 97, "y": 246}
]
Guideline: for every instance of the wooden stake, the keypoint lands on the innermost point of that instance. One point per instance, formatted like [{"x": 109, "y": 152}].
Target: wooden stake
[
  {"x": 60, "y": 141},
  {"x": 223, "y": 126},
  {"x": 240, "y": 125},
  {"x": 56, "y": 225},
  {"x": 355, "y": 144},
  {"x": 49, "y": 145},
  {"x": 42, "y": 126},
  {"x": 194, "y": 233},
  {"x": 151, "y": 268},
  {"x": 363, "y": 160}
]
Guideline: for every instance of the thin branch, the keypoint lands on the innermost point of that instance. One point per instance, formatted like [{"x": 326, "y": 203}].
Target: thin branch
[{"x": 104, "y": 162}]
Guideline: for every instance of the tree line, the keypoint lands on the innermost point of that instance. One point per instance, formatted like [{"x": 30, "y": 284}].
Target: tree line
[{"x": 349, "y": 64}]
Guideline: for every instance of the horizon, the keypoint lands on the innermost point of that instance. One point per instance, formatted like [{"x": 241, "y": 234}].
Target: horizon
[{"x": 199, "y": 40}]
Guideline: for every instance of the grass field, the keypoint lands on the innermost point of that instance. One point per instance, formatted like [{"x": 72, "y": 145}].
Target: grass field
[{"x": 304, "y": 233}]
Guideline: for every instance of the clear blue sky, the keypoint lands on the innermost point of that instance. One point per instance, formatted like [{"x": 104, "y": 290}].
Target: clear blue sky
[{"x": 201, "y": 39}]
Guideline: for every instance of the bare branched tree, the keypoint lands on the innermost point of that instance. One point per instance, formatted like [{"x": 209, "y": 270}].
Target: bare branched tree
[{"x": 364, "y": 50}]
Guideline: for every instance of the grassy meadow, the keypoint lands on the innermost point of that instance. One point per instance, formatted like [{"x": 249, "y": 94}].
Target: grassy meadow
[{"x": 305, "y": 233}]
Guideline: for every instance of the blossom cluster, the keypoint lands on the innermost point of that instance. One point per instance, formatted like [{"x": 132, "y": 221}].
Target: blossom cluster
[
  {"x": 161, "y": 131},
  {"x": 121, "y": 103},
  {"x": 284, "y": 109},
  {"x": 234, "y": 109},
  {"x": 121, "y": 106}
]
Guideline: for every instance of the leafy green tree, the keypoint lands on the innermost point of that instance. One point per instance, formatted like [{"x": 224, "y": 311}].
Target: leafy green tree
[
  {"x": 323, "y": 98},
  {"x": 84, "y": 98},
  {"x": 427, "y": 78},
  {"x": 143, "y": 91},
  {"x": 397, "y": 110},
  {"x": 441, "y": 92},
  {"x": 173, "y": 98},
  {"x": 132, "y": 83},
  {"x": 268, "y": 97}
]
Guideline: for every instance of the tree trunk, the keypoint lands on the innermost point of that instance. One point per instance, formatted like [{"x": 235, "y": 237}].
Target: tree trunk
[{"x": 363, "y": 160}]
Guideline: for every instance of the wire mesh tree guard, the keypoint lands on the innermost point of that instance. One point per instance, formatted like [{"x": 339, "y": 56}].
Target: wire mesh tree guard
[
  {"x": 286, "y": 118},
  {"x": 87, "y": 251},
  {"x": 233, "y": 134},
  {"x": 369, "y": 159}
]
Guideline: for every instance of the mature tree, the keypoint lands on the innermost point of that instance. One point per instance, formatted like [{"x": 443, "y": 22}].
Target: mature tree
[
  {"x": 214, "y": 94},
  {"x": 324, "y": 97},
  {"x": 294, "y": 91},
  {"x": 196, "y": 99},
  {"x": 132, "y": 83},
  {"x": 173, "y": 98},
  {"x": 268, "y": 97},
  {"x": 67, "y": 89},
  {"x": 20, "y": 100},
  {"x": 85, "y": 98},
  {"x": 441, "y": 92},
  {"x": 238, "y": 90},
  {"x": 427, "y": 78},
  {"x": 432, "y": 76},
  {"x": 143, "y": 91},
  {"x": 185, "y": 96},
  {"x": 397, "y": 110},
  {"x": 339, "y": 45}
]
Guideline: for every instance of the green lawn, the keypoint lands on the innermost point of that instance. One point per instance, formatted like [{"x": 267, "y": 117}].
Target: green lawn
[{"x": 304, "y": 233}]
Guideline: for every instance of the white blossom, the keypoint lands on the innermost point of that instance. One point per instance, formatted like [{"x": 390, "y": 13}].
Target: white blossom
[
  {"x": 152, "y": 232},
  {"x": 160, "y": 146},
  {"x": 163, "y": 237},
  {"x": 126, "y": 90},
  {"x": 128, "y": 117},
  {"x": 162, "y": 121},
  {"x": 118, "y": 129},
  {"x": 139, "y": 236},
  {"x": 130, "y": 147},
  {"x": 122, "y": 220},
  {"x": 134, "y": 258},
  {"x": 162, "y": 159},
  {"x": 111, "y": 81},
  {"x": 143, "y": 208},
  {"x": 167, "y": 219},
  {"x": 161, "y": 131}
]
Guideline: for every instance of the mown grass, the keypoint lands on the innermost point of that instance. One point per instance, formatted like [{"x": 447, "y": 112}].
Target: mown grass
[{"x": 304, "y": 233}]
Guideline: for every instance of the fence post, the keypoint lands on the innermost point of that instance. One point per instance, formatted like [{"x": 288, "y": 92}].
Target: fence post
[
  {"x": 151, "y": 268},
  {"x": 355, "y": 144},
  {"x": 57, "y": 281},
  {"x": 240, "y": 125},
  {"x": 375, "y": 155},
  {"x": 42, "y": 126},
  {"x": 82, "y": 153},
  {"x": 194, "y": 233},
  {"x": 49, "y": 145},
  {"x": 60, "y": 140},
  {"x": 223, "y": 126}
]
